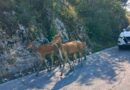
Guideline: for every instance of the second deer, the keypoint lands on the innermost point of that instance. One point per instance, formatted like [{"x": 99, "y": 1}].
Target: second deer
[{"x": 69, "y": 48}]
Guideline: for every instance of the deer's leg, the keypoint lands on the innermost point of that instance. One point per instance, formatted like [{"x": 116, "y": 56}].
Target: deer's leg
[
  {"x": 75, "y": 58},
  {"x": 52, "y": 60},
  {"x": 38, "y": 64},
  {"x": 68, "y": 60},
  {"x": 46, "y": 65},
  {"x": 38, "y": 68},
  {"x": 80, "y": 59},
  {"x": 85, "y": 53},
  {"x": 61, "y": 56},
  {"x": 61, "y": 59}
]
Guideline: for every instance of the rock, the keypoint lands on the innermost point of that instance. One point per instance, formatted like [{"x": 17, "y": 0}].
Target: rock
[{"x": 15, "y": 61}]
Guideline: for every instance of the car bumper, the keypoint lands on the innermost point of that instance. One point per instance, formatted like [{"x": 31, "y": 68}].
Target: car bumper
[{"x": 124, "y": 46}]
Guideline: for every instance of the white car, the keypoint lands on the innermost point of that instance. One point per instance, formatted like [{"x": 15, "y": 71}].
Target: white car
[{"x": 124, "y": 39}]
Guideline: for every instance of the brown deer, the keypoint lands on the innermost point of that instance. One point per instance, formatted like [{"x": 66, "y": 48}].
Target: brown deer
[
  {"x": 69, "y": 48},
  {"x": 43, "y": 51}
]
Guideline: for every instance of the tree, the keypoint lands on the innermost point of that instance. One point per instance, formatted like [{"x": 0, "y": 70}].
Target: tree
[{"x": 104, "y": 19}]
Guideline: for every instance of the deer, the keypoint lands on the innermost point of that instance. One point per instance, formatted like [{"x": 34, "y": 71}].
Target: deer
[
  {"x": 43, "y": 51},
  {"x": 69, "y": 48}
]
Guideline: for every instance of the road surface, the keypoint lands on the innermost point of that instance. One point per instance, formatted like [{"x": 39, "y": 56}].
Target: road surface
[{"x": 108, "y": 69}]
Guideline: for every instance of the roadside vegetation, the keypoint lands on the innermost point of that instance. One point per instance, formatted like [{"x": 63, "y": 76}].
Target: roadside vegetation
[
  {"x": 96, "y": 23},
  {"x": 102, "y": 20}
]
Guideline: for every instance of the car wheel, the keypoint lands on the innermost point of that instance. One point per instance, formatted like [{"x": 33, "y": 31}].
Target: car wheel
[{"x": 120, "y": 47}]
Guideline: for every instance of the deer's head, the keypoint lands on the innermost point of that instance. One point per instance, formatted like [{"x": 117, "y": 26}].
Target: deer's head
[{"x": 57, "y": 39}]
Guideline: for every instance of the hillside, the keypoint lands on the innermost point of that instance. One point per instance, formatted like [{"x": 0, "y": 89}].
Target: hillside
[
  {"x": 99, "y": 22},
  {"x": 94, "y": 23}
]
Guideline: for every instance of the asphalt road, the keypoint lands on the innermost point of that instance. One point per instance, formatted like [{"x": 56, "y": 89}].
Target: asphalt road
[{"x": 108, "y": 69}]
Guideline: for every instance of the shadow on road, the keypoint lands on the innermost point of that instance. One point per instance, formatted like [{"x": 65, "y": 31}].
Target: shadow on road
[{"x": 101, "y": 65}]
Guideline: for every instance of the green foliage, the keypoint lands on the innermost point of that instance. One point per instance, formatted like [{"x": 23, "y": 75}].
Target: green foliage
[{"x": 102, "y": 20}]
